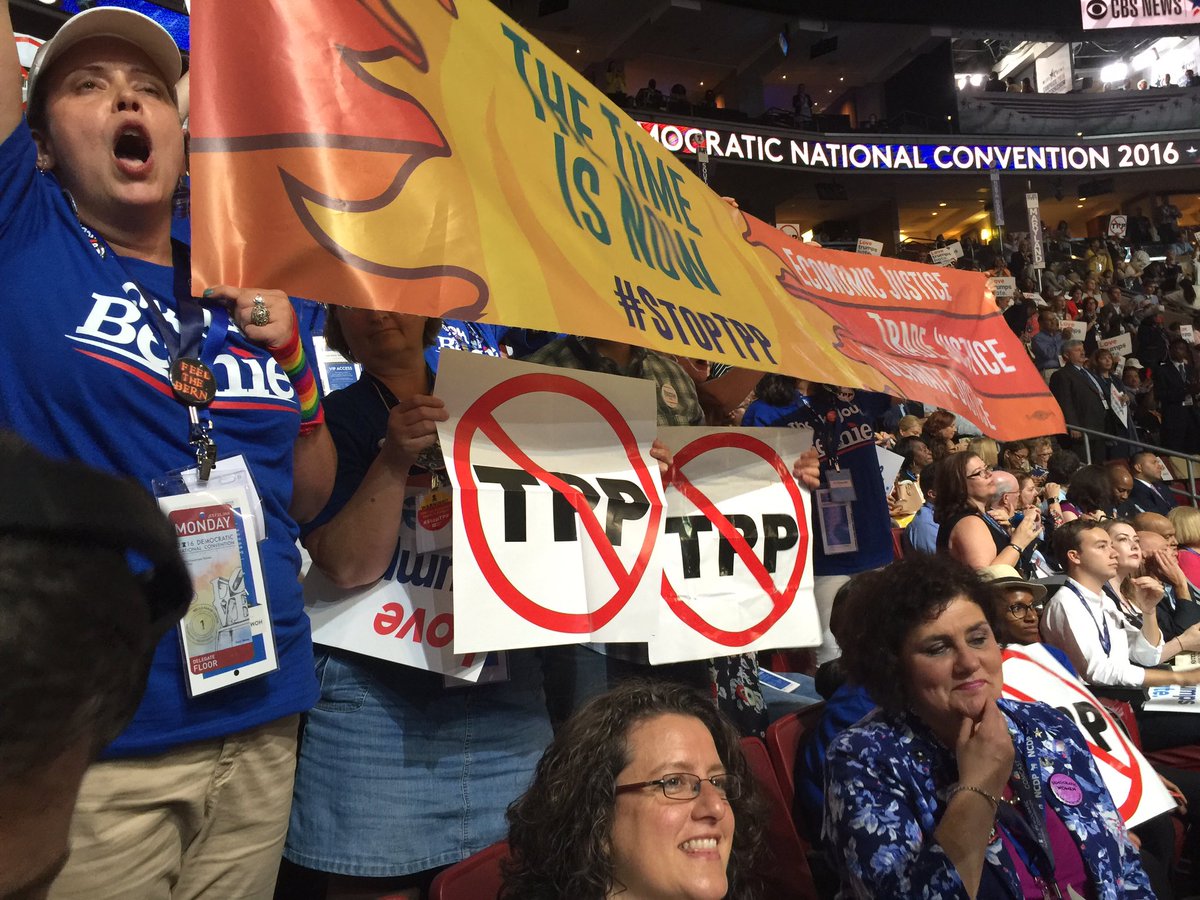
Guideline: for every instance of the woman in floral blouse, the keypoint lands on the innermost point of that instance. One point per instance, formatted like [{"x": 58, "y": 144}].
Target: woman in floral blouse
[{"x": 949, "y": 791}]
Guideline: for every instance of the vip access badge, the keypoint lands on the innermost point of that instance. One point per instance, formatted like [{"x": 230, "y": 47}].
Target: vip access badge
[{"x": 226, "y": 634}]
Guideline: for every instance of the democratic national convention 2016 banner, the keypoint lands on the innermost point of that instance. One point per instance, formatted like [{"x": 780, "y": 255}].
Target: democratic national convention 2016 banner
[
  {"x": 1138, "y": 13},
  {"x": 432, "y": 157},
  {"x": 563, "y": 532}
]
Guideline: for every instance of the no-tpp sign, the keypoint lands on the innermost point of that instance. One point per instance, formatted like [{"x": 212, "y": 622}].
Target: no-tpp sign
[
  {"x": 558, "y": 505},
  {"x": 1031, "y": 673},
  {"x": 736, "y": 573}
]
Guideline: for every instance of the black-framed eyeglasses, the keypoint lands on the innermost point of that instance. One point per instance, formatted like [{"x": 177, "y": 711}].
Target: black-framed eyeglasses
[
  {"x": 686, "y": 786},
  {"x": 1022, "y": 610},
  {"x": 982, "y": 473}
]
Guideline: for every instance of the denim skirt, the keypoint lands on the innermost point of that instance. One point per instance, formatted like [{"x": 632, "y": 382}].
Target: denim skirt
[{"x": 398, "y": 774}]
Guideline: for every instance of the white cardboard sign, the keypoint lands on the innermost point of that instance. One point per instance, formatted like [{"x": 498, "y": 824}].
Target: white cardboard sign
[
  {"x": 1078, "y": 330},
  {"x": 737, "y": 553},
  {"x": 942, "y": 256},
  {"x": 406, "y": 617},
  {"x": 889, "y": 465},
  {"x": 1031, "y": 673},
  {"x": 558, "y": 504},
  {"x": 1173, "y": 698},
  {"x": 1003, "y": 286},
  {"x": 1121, "y": 346},
  {"x": 870, "y": 247}
]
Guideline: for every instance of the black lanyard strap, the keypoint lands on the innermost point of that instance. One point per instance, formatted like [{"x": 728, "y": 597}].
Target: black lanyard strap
[{"x": 1027, "y": 829}]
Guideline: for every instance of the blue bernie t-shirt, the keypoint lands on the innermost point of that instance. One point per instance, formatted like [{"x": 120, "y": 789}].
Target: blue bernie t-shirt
[
  {"x": 84, "y": 376},
  {"x": 856, "y": 455},
  {"x": 474, "y": 337}
]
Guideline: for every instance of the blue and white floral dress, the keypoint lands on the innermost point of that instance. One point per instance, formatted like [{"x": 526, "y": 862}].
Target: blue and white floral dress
[{"x": 886, "y": 784}]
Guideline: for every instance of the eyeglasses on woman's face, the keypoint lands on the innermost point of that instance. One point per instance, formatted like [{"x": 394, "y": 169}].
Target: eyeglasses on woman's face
[
  {"x": 1020, "y": 611},
  {"x": 980, "y": 473},
  {"x": 686, "y": 786}
]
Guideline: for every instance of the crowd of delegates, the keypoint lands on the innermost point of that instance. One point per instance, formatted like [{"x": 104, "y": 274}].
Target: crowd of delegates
[
  {"x": 1111, "y": 333},
  {"x": 398, "y": 774}
]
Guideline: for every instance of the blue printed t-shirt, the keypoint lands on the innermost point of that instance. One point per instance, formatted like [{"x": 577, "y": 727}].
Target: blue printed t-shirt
[
  {"x": 857, "y": 456},
  {"x": 85, "y": 377},
  {"x": 474, "y": 337},
  {"x": 763, "y": 414}
]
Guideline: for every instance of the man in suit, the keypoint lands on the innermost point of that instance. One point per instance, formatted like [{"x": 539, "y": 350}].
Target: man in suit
[
  {"x": 1149, "y": 493},
  {"x": 1084, "y": 400},
  {"x": 890, "y": 420},
  {"x": 1176, "y": 386}
]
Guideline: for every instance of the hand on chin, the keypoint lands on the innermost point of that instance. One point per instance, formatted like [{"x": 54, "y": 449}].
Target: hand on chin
[{"x": 970, "y": 704}]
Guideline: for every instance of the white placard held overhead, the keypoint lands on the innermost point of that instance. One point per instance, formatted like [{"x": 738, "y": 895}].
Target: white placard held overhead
[{"x": 941, "y": 256}]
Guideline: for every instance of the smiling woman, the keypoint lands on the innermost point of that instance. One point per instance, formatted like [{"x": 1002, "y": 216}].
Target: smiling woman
[
  {"x": 949, "y": 790},
  {"x": 644, "y": 793}
]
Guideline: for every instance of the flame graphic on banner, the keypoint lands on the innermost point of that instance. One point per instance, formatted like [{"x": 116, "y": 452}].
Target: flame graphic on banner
[{"x": 321, "y": 135}]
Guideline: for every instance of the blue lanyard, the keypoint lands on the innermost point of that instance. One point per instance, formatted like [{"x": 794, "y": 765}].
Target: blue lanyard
[
  {"x": 1105, "y": 637},
  {"x": 189, "y": 343},
  {"x": 995, "y": 526},
  {"x": 1029, "y": 835}
]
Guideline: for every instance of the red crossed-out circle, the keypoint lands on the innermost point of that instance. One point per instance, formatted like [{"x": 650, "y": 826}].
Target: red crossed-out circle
[
  {"x": 1128, "y": 767},
  {"x": 480, "y": 418},
  {"x": 781, "y": 599}
]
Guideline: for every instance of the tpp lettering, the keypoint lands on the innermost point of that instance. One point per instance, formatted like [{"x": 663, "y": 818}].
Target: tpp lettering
[
  {"x": 1090, "y": 722},
  {"x": 624, "y": 502},
  {"x": 779, "y": 533}
]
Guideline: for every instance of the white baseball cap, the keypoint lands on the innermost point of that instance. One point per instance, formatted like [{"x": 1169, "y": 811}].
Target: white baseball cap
[{"x": 112, "y": 22}]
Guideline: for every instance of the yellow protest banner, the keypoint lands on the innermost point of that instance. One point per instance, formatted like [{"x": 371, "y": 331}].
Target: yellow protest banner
[{"x": 433, "y": 157}]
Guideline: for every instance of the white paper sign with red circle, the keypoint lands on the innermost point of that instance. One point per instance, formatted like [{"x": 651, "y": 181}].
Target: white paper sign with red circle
[
  {"x": 533, "y": 570},
  {"x": 737, "y": 559},
  {"x": 1031, "y": 673}
]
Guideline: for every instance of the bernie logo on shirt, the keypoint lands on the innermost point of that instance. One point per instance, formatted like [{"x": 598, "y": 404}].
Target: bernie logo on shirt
[{"x": 120, "y": 335}]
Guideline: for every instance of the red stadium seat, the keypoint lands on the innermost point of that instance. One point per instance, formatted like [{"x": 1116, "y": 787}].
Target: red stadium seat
[
  {"x": 801, "y": 661},
  {"x": 786, "y": 872},
  {"x": 475, "y": 878},
  {"x": 784, "y": 737}
]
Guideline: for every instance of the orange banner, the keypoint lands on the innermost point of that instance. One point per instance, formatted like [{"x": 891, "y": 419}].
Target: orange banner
[{"x": 433, "y": 157}]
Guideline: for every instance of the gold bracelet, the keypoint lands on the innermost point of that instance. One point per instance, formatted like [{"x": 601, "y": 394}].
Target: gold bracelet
[{"x": 958, "y": 788}]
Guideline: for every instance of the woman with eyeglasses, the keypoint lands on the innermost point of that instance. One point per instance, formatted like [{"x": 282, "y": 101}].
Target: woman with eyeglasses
[
  {"x": 644, "y": 793},
  {"x": 948, "y": 790},
  {"x": 964, "y": 489},
  {"x": 1019, "y": 605}
]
